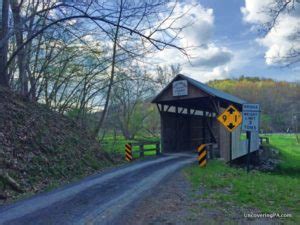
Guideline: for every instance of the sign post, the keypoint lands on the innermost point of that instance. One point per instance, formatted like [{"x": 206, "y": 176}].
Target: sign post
[
  {"x": 248, "y": 134},
  {"x": 250, "y": 123}
]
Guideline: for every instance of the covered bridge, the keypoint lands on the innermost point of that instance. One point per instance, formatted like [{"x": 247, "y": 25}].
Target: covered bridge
[{"x": 188, "y": 110}]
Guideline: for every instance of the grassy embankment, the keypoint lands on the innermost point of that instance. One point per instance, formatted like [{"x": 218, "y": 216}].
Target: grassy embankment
[
  {"x": 268, "y": 192},
  {"x": 41, "y": 149}
]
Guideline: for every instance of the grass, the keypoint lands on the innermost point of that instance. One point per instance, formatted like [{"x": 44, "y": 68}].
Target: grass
[
  {"x": 268, "y": 192},
  {"x": 289, "y": 151}
]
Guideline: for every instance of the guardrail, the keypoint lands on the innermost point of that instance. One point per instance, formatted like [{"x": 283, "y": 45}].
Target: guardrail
[
  {"x": 142, "y": 148},
  {"x": 211, "y": 150},
  {"x": 264, "y": 138}
]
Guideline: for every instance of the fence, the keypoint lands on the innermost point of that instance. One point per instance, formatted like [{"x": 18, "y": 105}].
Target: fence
[
  {"x": 143, "y": 147},
  {"x": 140, "y": 148}
]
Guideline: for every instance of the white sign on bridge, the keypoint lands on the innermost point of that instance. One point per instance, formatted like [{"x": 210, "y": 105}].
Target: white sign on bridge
[
  {"x": 250, "y": 117},
  {"x": 180, "y": 88}
]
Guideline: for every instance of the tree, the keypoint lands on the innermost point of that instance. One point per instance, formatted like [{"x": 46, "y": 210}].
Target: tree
[
  {"x": 68, "y": 54},
  {"x": 165, "y": 74},
  {"x": 130, "y": 102},
  {"x": 21, "y": 56},
  {"x": 4, "y": 79},
  {"x": 276, "y": 11}
]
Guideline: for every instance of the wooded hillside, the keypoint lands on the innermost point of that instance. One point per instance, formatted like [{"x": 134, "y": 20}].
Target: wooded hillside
[{"x": 40, "y": 148}]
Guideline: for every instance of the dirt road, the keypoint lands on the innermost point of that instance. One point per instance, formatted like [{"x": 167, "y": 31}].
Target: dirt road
[{"x": 98, "y": 199}]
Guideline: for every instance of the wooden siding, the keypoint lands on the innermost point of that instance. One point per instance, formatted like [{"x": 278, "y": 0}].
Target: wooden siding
[{"x": 240, "y": 147}]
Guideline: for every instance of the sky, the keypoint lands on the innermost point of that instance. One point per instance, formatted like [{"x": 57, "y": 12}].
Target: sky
[{"x": 229, "y": 43}]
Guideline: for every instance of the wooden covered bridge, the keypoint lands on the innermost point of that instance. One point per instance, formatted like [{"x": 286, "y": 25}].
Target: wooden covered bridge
[{"x": 188, "y": 110}]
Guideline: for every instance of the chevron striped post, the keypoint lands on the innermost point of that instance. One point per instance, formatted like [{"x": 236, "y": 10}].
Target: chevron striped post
[
  {"x": 128, "y": 152},
  {"x": 202, "y": 154}
]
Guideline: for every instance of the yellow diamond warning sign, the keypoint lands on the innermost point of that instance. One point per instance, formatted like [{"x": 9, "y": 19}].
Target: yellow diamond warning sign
[{"x": 231, "y": 118}]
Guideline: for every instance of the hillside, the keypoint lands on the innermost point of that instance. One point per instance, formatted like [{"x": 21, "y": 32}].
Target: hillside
[
  {"x": 40, "y": 149},
  {"x": 279, "y": 100}
]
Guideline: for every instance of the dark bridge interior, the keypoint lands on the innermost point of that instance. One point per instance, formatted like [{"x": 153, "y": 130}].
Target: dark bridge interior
[{"x": 183, "y": 129}]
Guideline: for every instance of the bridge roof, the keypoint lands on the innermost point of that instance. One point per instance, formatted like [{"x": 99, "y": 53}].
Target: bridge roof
[{"x": 202, "y": 87}]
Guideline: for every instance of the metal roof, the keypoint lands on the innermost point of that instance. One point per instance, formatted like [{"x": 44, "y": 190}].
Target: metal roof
[{"x": 209, "y": 90}]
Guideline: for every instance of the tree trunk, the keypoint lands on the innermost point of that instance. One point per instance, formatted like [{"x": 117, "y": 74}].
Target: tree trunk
[
  {"x": 112, "y": 74},
  {"x": 4, "y": 79},
  {"x": 21, "y": 60}
]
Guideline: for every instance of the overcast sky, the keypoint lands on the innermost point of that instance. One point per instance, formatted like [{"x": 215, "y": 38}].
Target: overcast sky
[{"x": 229, "y": 43}]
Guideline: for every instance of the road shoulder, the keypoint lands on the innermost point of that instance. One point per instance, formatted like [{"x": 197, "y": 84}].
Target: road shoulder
[{"x": 173, "y": 202}]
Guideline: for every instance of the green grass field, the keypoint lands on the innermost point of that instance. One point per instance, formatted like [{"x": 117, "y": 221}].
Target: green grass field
[
  {"x": 289, "y": 152},
  {"x": 269, "y": 192}
]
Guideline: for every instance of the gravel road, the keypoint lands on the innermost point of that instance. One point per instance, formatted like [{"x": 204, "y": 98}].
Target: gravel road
[{"x": 98, "y": 199}]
